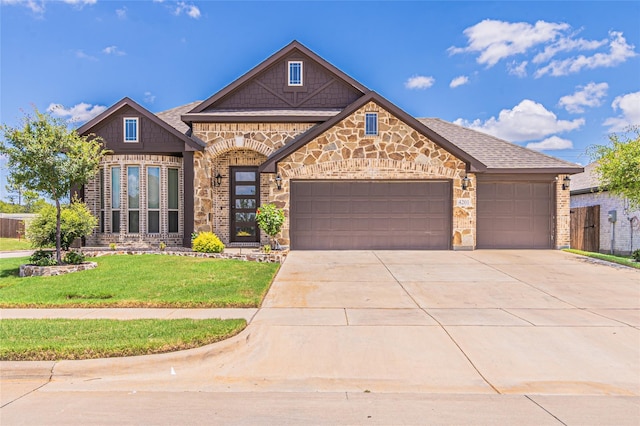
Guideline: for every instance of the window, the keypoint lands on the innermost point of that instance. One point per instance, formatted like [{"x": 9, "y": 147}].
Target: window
[
  {"x": 115, "y": 199},
  {"x": 131, "y": 130},
  {"x": 295, "y": 73},
  {"x": 133, "y": 197},
  {"x": 153, "y": 200},
  {"x": 173, "y": 199},
  {"x": 371, "y": 124}
]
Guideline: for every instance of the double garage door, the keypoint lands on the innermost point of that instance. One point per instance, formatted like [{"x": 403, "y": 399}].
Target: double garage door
[
  {"x": 366, "y": 215},
  {"x": 360, "y": 215}
]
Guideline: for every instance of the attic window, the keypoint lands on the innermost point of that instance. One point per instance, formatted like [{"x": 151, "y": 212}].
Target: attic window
[
  {"x": 131, "y": 129},
  {"x": 295, "y": 73},
  {"x": 371, "y": 124}
]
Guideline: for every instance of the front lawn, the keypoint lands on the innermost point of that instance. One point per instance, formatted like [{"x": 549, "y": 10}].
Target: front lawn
[
  {"x": 141, "y": 281},
  {"x": 14, "y": 244},
  {"x": 621, "y": 260},
  {"x": 54, "y": 339}
]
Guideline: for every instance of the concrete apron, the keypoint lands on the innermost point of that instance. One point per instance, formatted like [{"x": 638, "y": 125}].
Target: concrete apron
[{"x": 486, "y": 322}]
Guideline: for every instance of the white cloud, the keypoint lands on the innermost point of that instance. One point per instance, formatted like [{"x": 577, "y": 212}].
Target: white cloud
[
  {"x": 80, "y": 2},
  {"x": 79, "y": 113},
  {"x": 459, "y": 81},
  {"x": 34, "y": 5},
  {"x": 122, "y": 12},
  {"x": 588, "y": 96},
  {"x": 190, "y": 9},
  {"x": 149, "y": 97},
  {"x": 566, "y": 45},
  {"x": 113, "y": 50},
  {"x": 496, "y": 40},
  {"x": 629, "y": 105},
  {"x": 518, "y": 69},
  {"x": 551, "y": 144},
  {"x": 419, "y": 82},
  {"x": 81, "y": 55},
  {"x": 619, "y": 52},
  {"x": 526, "y": 121}
]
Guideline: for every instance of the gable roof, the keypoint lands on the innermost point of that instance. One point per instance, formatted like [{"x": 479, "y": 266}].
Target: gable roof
[
  {"x": 191, "y": 144},
  {"x": 269, "y": 165},
  {"x": 172, "y": 116},
  {"x": 498, "y": 155},
  {"x": 586, "y": 181},
  {"x": 273, "y": 59}
]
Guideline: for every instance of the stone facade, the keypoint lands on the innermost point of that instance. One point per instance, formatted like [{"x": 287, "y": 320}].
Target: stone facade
[
  {"x": 626, "y": 228},
  {"x": 230, "y": 145},
  {"x": 397, "y": 152},
  {"x": 143, "y": 238}
]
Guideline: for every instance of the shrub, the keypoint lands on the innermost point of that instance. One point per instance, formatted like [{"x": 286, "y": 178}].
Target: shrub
[
  {"x": 73, "y": 258},
  {"x": 207, "y": 242},
  {"x": 76, "y": 221},
  {"x": 270, "y": 219},
  {"x": 43, "y": 258},
  {"x": 636, "y": 255}
]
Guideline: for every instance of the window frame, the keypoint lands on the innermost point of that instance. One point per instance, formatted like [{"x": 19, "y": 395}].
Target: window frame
[
  {"x": 170, "y": 209},
  {"x": 367, "y": 123},
  {"x": 150, "y": 209},
  {"x": 126, "y": 121},
  {"x": 131, "y": 209},
  {"x": 301, "y": 74},
  {"x": 116, "y": 196}
]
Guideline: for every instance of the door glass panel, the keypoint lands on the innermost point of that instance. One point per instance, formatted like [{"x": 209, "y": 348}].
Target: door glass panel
[
  {"x": 245, "y": 217},
  {"x": 246, "y": 176},
  {"x": 245, "y": 203},
  {"x": 245, "y": 231},
  {"x": 245, "y": 190}
]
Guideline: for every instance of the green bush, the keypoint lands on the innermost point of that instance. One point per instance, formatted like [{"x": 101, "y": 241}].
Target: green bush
[
  {"x": 43, "y": 258},
  {"x": 73, "y": 258},
  {"x": 207, "y": 242},
  {"x": 636, "y": 255},
  {"x": 76, "y": 221},
  {"x": 270, "y": 219}
]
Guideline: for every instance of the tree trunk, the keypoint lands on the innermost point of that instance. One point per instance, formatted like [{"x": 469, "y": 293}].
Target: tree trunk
[{"x": 58, "y": 232}]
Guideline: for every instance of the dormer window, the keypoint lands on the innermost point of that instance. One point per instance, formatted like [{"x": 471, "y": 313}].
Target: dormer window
[
  {"x": 371, "y": 124},
  {"x": 295, "y": 73},
  {"x": 131, "y": 129}
]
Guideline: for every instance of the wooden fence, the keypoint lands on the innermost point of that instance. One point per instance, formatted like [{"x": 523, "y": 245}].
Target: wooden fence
[
  {"x": 11, "y": 228},
  {"x": 585, "y": 228}
]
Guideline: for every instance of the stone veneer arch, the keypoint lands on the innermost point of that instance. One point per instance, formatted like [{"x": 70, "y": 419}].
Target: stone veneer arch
[
  {"x": 372, "y": 168},
  {"x": 220, "y": 147}
]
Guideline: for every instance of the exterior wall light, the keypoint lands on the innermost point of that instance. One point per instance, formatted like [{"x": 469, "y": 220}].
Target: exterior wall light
[
  {"x": 218, "y": 180},
  {"x": 465, "y": 183},
  {"x": 566, "y": 183},
  {"x": 278, "y": 181}
]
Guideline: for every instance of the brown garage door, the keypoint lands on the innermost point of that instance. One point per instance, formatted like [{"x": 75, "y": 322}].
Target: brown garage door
[
  {"x": 356, "y": 215},
  {"x": 515, "y": 215}
]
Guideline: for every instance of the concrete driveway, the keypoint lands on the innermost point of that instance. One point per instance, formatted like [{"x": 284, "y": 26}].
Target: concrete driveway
[{"x": 557, "y": 332}]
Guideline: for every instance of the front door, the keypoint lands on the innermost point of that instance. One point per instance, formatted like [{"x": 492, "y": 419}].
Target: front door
[{"x": 245, "y": 194}]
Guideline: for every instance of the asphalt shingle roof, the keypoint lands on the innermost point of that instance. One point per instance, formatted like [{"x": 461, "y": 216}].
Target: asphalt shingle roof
[
  {"x": 585, "y": 180},
  {"x": 172, "y": 116},
  {"x": 493, "y": 152}
]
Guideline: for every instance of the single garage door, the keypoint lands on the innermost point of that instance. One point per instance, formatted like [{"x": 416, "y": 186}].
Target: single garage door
[
  {"x": 516, "y": 215},
  {"x": 360, "y": 215}
]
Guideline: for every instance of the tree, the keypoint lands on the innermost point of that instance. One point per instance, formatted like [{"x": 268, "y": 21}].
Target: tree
[
  {"x": 76, "y": 221},
  {"x": 619, "y": 165},
  {"x": 46, "y": 157},
  {"x": 270, "y": 220}
]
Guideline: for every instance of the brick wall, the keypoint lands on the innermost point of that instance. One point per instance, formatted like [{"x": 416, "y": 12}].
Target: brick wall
[
  {"x": 142, "y": 238},
  {"x": 563, "y": 216},
  {"x": 625, "y": 229}
]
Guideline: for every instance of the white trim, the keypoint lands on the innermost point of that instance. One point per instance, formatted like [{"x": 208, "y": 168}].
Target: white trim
[
  {"x": 124, "y": 129},
  {"x": 289, "y": 63}
]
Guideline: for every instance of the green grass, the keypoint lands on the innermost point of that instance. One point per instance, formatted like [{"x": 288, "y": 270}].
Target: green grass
[
  {"x": 13, "y": 244},
  {"x": 54, "y": 339},
  {"x": 141, "y": 281},
  {"x": 626, "y": 261}
]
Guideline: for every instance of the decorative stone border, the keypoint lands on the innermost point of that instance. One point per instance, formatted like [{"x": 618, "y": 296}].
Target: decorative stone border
[
  {"x": 249, "y": 255},
  {"x": 48, "y": 271}
]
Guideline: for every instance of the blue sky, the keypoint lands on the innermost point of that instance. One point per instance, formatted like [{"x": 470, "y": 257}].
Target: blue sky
[{"x": 554, "y": 76}]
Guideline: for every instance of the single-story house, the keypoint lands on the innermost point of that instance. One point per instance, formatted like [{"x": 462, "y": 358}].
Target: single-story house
[
  {"x": 350, "y": 169},
  {"x": 604, "y": 218}
]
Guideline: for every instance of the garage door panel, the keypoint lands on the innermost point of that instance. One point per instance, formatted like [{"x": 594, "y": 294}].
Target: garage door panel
[
  {"x": 514, "y": 214},
  {"x": 371, "y": 215}
]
